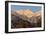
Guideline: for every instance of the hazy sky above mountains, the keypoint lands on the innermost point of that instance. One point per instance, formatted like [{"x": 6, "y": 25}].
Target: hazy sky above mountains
[{"x": 18, "y": 7}]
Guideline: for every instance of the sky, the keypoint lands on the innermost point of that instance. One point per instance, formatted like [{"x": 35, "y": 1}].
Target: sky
[{"x": 19, "y": 7}]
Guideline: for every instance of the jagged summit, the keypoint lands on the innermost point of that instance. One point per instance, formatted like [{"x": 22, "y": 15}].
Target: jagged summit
[{"x": 27, "y": 12}]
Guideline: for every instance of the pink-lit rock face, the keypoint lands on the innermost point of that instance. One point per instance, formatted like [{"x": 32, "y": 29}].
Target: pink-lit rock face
[{"x": 28, "y": 13}]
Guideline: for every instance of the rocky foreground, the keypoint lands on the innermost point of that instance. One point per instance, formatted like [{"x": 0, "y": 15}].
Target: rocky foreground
[{"x": 25, "y": 20}]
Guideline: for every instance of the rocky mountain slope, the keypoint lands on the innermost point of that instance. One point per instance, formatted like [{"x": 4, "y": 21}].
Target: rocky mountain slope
[{"x": 25, "y": 19}]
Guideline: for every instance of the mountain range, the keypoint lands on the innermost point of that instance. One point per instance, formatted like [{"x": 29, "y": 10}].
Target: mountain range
[
  {"x": 26, "y": 16},
  {"x": 27, "y": 13}
]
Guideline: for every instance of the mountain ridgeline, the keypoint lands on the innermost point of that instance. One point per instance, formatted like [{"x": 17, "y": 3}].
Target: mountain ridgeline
[{"x": 25, "y": 19}]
